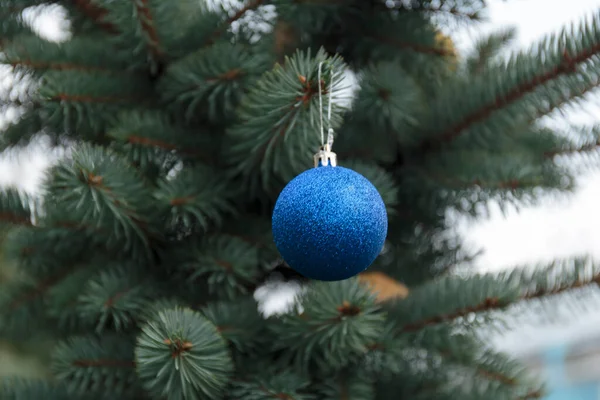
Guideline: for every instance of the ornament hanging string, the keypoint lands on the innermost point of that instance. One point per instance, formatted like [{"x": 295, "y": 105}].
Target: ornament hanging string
[{"x": 325, "y": 156}]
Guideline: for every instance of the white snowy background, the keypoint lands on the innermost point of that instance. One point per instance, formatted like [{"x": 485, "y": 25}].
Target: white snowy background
[{"x": 556, "y": 229}]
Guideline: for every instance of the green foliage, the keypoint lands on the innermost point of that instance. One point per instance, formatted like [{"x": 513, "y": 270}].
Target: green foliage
[
  {"x": 100, "y": 176},
  {"x": 23, "y": 309},
  {"x": 312, "y": 18},
  {"x": 44, "y": 250},
  {"x": 389, "y": 100},
  {"x": 20, "y": 389},
  {"x": 143, "y": 250},
  {"x": 100, "y": 367},
  {"x": 333, "y": 324},
  {"x": 209, "y": 82},
  {"x": 91, "y": 110},
  {"x": 181, "y": 355},
  {"x": 15, "y": 207},
  {"x": 82, "y": 53},
  {"x": 267, "y": 386},
  {"x": 21, "y": 132},
  {"x": 195, "y": 197},
  {"x": 239, "y": 323},
  {"x": 487, "y": 49},
  {"x": 410, "y": 41},
  {"x": 144, "y": 28},
  {"x": 494, "y": 104},
  {"x": 228, "y": 264},
  {"x": 114, "y": 298},
  {"x": 285, "y": 99},
  {"x": 153, "y": 143},
  {"x": 13, "y": 24},
  {"x": 347, "y": 384}
]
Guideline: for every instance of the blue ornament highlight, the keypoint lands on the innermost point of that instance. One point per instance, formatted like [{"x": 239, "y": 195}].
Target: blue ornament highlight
[{"x": 329, "y": 223}]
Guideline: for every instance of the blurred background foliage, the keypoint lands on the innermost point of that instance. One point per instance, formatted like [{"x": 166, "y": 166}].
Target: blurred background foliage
[{"x": 27, "y": 359}]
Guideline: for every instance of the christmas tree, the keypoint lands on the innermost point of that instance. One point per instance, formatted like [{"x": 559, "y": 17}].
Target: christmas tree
[{"x": 184, "y": 121}]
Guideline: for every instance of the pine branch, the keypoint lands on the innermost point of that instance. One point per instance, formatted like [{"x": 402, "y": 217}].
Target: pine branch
[
  {"x": 250, "y": 6},
  {"x": 133, "y": 139},
  {"x": 29, "y": 64},
  {"x": 83, "y": 55},
  {"x": 530, "y": 83},
  {"x": 114, "y": 193},
  {"x": 537, "y": 394},
  {"x": 87, "y": 102},
  {"x": 511, "y": 184},
  {"x": 469, "y": 12},
  {"x": 229, "y": 265},
  {"x": 446, "y": 353},
  {"x": 114, "y": 299},
  {"x": 588, "y": 138},
  {"x": 454, "y": 12},
  {"x": 568, "y": 66},
  {"x": 41, "y": 288},
  {"x": 91, "y": 365},
  {"x": 332, "y": 322},
  {"x": 95, "y": 13},
  {"x": 275, "y": 131},
  {"x": 488, "y": 304},
  {"x": 503, "y": 291},
  {"x": 14, "y": 219},
  {"x": 417, "y": 48},
  {"x": 196, "y": 198},
  {"x": 210, "y": 82},
  {"x": 487, "y": 49},
  {"x": 13, "y": 387},
  {"x": 573, "y": 150},
  {"x": 147, "y": 24},
  {"x": 86, "y": 363},
  {"x": 15, "y": 208},
  {"x": 578, "y": 88},
  {"x": 496, "y": 376},
  {"x": 508, "y": 174},
  {"x": 179, "y": 346},
  {"x": 78, "y": 98},
  {"x": 239, "y": 322},
  {"x": 139, "y": 134}
]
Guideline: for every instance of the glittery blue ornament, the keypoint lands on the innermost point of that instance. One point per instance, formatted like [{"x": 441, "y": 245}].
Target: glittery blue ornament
[{"x": 329, "y": 223}]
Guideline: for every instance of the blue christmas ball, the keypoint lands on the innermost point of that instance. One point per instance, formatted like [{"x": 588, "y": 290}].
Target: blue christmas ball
[{"x": 329, "y": 223}]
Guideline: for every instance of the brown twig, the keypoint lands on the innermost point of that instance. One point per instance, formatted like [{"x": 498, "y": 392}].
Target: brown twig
[
  {"x": 179, "y": 201},
  {"x": 95, "y": 13},
  {"x": 113, "y": 299},
  {"x": 91, "y": 99},
  {"x": 491, "y": 304},
  {"x": 582, "y": 149},
  {"x": 497, "y": 376},
  {"x": 568, "y": 66},
  {"x": 103, "y": 362},
  {"x": 537, "y": 394},
  {"x": 248, "y": 7},
  {"x": 486, "y": 305},
  {"x": 239, "y": 14},
  {"x": 433, "y": 9},
  {"x": 133, "y": 139},
  {"x": 41, "y": 288},
  {"x": 62, "y": 67},
  {"x": 15, "y": 219},
  {"x": 147, "y": 24},
  {"x": 512, "y": 184}
]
